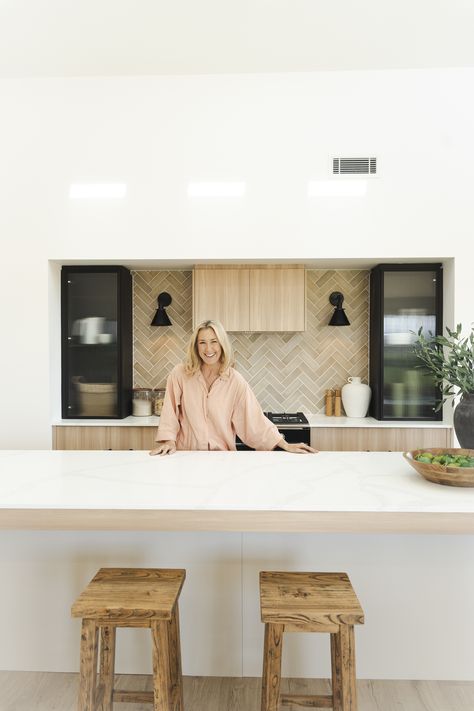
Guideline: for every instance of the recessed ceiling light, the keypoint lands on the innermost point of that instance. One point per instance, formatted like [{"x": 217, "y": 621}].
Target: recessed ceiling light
[
  {"x": 217, "y": 189},
  {"x": 78, "y": 191}
]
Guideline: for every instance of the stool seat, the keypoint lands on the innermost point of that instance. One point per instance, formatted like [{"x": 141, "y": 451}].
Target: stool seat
[
  {"x": 310, "y": 602},
  {"x": 130, "y": 593},
  {"x": 130, "y": 597}
]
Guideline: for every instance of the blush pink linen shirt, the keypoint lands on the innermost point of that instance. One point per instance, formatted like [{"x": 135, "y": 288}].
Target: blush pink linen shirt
[{"x": 200, "y": 420}]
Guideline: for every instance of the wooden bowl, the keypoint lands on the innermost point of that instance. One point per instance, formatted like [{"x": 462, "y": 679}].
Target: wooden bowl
[{"x": 439, "y": 473}]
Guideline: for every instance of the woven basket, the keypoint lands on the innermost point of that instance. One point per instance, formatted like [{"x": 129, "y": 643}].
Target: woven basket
[
  {"x": 96, "y": 399},
  {"x": 440, "y": 474}
]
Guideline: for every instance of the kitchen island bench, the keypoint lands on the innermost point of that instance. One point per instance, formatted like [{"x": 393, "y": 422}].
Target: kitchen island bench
[
  {"x": 328, "y": 492},
  {"x": 224, "y": 516}
]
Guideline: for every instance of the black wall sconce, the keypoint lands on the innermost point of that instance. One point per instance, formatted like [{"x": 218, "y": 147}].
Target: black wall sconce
[
  {"x": 161, "y": 318},
  {"x": 339, "y": 317}
]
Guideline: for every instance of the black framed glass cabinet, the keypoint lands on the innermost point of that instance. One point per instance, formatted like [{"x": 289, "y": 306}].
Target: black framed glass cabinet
[
  {"x": 96, "y": 339},
  {"x": 403, "y": 297}
]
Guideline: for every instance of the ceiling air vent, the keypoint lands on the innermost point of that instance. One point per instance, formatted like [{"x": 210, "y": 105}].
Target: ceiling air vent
[{"x": 354, "y": 166}]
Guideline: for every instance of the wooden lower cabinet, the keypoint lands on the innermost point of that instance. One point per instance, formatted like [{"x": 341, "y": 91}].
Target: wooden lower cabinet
[
  {"x": 132, "y": 437},
  {"x": 379, "y": 439},
  {"x": 326, "y": 439},
  {"x": 103, "y": 437}
]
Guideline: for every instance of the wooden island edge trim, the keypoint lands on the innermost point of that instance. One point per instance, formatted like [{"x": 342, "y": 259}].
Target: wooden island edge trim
[{"x": 236, "y": 521}]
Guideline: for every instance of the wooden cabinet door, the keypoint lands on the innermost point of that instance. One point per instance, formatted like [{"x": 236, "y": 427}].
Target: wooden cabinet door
[
  {"x": 104, "y": 438},
  {"x": 277, "y": 299},
  {"x": 378, "y": 439},
  {"x": 341, "y": 439},
  {"x": 221, "y": 295},
  {"x": 81, "y": 437},
  {"x": 125, "y": 438},
  {"x": 407, "y": 438}
]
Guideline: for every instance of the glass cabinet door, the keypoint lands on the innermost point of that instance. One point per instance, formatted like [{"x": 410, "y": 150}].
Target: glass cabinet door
[
  {"x": 408, "y": 299},
  {"x": 91, "y": 343}
]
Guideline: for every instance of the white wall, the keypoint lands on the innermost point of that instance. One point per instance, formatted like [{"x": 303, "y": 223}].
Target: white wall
[{"x": 275, "y": 132}]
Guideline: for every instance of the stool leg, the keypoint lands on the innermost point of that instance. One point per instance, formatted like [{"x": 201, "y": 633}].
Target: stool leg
[
  {"x": 343, "y": 669},
  {"x": 272, "y": 666},
  {"x": 336, "y": 675},
  {"x": 88, "y": 666},
  {"x": 161, "y": 665},
  {"x": 176, "y": 679},
  {"x": 107, "y": 665}
]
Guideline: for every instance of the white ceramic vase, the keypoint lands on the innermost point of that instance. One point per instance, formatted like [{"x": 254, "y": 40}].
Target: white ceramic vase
[{"x": 355, "y": 397}]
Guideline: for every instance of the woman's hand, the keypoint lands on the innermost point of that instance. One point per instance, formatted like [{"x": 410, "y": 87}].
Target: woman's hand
[
  {"x": 168, "y": 447},
  {"x": 300, "y": 448}
]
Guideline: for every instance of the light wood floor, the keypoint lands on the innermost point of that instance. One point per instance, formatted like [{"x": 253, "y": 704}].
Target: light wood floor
[{"x": 41, "y": 691}]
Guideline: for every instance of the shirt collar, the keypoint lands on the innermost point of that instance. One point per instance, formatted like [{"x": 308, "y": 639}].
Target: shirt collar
[{"x": 224, "y": 376}]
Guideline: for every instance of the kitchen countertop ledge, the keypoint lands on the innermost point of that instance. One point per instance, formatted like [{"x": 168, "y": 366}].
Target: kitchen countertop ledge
[
  {"x": 362, "y": 492},
  {"x": 314, "y": 421}
]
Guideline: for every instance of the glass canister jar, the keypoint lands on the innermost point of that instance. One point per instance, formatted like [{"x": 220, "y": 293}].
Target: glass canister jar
[
  {"x": 142, "y": 402},
  {"x": 158, "y": 399}
]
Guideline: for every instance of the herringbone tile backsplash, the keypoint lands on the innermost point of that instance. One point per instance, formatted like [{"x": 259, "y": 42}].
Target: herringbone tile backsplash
[{"x": 287, "y": 371}]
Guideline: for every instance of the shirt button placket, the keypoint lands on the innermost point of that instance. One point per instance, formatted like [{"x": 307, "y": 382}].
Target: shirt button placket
[{"x": 205, "y": 444}]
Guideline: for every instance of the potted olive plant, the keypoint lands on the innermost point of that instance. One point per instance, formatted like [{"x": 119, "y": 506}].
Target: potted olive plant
[{"x": 450, "y": 359}]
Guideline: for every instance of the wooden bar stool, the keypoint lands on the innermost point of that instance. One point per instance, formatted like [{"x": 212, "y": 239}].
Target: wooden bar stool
[
  {"x": 130, "y": 597},
  {"x": 310, "y": 602}
]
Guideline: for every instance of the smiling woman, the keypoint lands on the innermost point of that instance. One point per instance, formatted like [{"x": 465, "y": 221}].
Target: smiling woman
[{"x": 208, "y": 403}]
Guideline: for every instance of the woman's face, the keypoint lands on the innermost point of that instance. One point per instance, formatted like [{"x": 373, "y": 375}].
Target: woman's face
[{"x": 209, "y": 348}]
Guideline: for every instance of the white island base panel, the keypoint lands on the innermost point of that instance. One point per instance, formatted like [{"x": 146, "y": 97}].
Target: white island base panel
[{"x": 417, "y": 589}]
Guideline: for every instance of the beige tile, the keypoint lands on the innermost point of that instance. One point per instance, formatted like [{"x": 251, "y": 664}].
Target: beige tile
[{"x": 288, "y": 371}]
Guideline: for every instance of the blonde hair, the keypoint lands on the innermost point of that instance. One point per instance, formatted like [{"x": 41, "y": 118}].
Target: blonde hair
[{"x": 193, "y": 360}]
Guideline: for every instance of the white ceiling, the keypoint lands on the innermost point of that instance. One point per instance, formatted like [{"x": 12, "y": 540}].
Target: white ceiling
[{"x": 151, "y": 37}]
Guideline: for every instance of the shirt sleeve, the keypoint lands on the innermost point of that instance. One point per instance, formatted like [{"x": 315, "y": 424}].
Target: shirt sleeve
[
  {"x": 251, "y": 425},
  {"x": 169, "y": 419}
]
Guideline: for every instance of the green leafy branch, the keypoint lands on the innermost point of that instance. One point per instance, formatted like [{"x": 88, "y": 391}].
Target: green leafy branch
[{"x": 450, "y": 360}]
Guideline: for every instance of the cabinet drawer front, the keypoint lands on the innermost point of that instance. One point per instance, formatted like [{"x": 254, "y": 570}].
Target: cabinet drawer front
[
  {"x": 103, "y": 438},
  {"x": 378, "y": 439},
  {"x": 81, "y": 438},
  {"x": 132, "y": 437}
]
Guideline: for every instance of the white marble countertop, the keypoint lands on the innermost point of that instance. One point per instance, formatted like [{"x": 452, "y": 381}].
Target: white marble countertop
[
  {"x": 343, "y": 421},
  {"x": 319, "y": 420},
  {"x": 130, "y": 421},
  {"x": 248, "y": 491}
]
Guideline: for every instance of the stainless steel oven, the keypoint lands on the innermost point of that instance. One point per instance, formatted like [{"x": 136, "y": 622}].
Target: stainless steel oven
[{"x": 294, "y": 426}]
